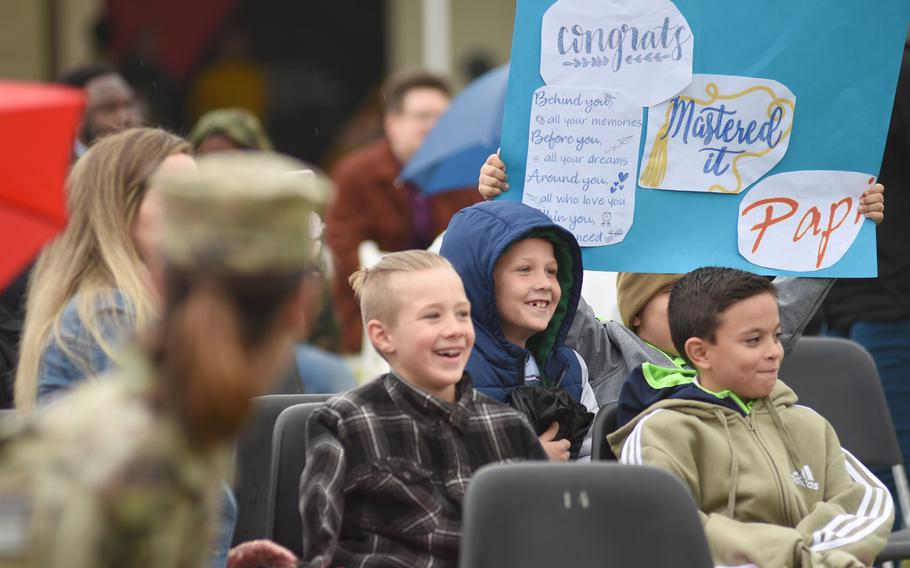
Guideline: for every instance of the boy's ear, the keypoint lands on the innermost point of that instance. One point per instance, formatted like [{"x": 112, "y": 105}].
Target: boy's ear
[
  {"x": 697, "y": 352},
  {"x": 380, "y": 337}
]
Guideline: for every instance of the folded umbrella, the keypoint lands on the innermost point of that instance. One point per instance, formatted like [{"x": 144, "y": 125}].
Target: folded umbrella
[
  {"x": 37, "y": 129},
  {"x": 453, "y": 151}
]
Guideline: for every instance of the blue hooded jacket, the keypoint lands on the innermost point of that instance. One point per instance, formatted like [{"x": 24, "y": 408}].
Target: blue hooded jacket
[{"x": 475, "y": 239}]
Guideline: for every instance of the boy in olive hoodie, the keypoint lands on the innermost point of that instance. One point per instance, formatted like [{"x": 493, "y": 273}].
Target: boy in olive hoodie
[{"x": 773, "y": 484}]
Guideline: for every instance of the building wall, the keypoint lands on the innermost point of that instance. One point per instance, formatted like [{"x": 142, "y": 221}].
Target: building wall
[
  {"x": 27, "y": 28},
  {"x": 482, "y": 26},
  {"x": 74, "y": 23},
  {"x": 476, "y": 26},
  {"x": 24, "y": 48}
]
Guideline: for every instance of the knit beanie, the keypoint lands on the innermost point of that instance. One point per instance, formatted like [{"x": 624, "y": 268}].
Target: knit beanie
[{"x": 635, "y": 289}]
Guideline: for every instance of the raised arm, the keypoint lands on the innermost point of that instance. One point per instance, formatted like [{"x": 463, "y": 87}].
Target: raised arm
[
  {"x": 493, "y": 178},
  {"x": 800, "y": 298}
]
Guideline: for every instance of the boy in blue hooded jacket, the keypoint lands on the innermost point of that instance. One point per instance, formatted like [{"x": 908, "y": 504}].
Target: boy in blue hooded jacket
[{"x": 522, "y": 273}]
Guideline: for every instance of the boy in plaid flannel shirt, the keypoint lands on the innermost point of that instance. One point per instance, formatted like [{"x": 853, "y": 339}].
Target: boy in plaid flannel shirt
[{"x": 388, "y": 463}]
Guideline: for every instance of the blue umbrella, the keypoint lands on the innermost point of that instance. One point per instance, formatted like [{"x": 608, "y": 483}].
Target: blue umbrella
[{"x": 453, "y": 151}]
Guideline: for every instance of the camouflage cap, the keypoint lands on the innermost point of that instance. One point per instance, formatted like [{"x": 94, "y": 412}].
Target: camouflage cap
[
  {"x": 243, "y": 212},
  {"x": 238, "y": 125}
]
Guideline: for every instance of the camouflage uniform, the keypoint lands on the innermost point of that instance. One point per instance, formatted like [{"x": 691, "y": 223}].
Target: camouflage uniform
[{"x": 107, "y": 477}]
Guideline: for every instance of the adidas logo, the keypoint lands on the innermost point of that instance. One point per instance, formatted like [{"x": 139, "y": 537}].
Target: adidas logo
[{"x": 805, "y": 479}]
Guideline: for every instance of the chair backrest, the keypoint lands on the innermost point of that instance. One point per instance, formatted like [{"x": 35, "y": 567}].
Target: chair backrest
[
  {"x": 838, "y": 379},
  {"x": 600, "y": 515},
  {"x": 604, "y": 424},
  {"x": 288, "y": 460},
  {"x": 254, "y": 460}
]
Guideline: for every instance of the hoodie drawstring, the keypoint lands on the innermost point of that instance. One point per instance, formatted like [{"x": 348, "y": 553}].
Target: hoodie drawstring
[
  {"x": 795, "y": 460},
  {"x": 734, "y": 464}
]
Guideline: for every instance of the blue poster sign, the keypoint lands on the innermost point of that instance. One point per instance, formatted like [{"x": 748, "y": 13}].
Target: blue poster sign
[{"x": 774, "y": 95}]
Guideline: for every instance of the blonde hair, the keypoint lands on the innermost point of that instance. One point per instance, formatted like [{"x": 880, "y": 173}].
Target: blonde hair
[
  {"x": 371, "y": 285},
  {"x": 95, "y": 255}
]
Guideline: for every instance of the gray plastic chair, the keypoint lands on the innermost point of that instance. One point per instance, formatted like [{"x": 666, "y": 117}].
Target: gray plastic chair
[
  {"x": 604, "y": 424},
  {"x": 288, "y": 460},
  {"x": 254, "y": 462},
  {"x": 531, "y": 515},
  {"x": 838, "y": 379}
]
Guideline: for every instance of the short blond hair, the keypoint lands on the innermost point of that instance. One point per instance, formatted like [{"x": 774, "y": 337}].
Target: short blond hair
[{"x": 378, "y": 300}]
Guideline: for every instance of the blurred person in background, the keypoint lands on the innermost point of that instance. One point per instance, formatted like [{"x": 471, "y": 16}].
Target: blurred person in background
[
  {"x": 126, "y": 471},
  {"x": 110, "y": 106},
  {"x": 233, "y": 79},
  {"x": 110, "y": 103},
  {"x": 90, "y": 290},
  {"x": 371, "y": 202},
  {"x": 228, "y": 129}
]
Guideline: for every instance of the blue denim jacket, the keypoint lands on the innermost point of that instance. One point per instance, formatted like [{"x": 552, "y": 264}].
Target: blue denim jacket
[
  {"x": 77, "y": 356},
  {"x": 322, "y": 372}
]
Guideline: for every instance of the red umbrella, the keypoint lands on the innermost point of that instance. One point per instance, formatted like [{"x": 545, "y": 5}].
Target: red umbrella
[{"x": 37, "y": 128}]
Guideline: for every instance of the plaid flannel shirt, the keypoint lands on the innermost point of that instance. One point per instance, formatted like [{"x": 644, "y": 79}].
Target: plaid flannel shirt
[{"x": 387, "y": 469}]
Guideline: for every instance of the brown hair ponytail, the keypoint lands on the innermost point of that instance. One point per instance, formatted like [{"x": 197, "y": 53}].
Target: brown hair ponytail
[{"x": 205, "y": 349}]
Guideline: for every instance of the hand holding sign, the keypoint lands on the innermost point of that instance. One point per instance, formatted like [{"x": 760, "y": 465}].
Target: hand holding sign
[
  {"x": 802, "y": 221},
  {"x": 730, "y": 129}
]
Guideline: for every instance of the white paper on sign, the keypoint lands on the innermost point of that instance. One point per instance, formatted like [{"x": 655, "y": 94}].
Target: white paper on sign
[
  {"x": 643, "y": 47},
  {"x": 802, "y": 221},
  {"x": 721, "y": 134},
  {"x": 583, "y": 161}
]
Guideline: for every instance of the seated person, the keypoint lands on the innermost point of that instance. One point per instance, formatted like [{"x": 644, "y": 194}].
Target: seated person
[
  {"x": 523, "y": 276},
  {"x": 388, "y": 463},
  {"x": 773, "y": 485}
]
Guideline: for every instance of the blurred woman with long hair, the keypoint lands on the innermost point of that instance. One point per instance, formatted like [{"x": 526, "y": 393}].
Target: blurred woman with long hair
[{"x": 90, "y": 288}]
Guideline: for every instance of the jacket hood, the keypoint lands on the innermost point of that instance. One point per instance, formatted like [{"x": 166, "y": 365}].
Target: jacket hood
[
  {"x": 706, "y": 408},
  {"x": 475, "y": 239}
]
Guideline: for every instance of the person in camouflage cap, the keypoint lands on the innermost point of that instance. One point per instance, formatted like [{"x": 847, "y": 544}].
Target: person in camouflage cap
[
  {"x": 228, "y": 129},
  {"x": 126, "y": 472}
]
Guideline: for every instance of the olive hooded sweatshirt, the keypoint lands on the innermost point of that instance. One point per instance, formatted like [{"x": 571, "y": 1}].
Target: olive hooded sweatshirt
[{"x": 774, "y": 487}]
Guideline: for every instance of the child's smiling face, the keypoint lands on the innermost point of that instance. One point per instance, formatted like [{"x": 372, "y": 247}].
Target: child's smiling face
[
  {"x": 527, "y": 289},
  {"x": 746, "y": 351},
  {"x": 430, "y": 339}
]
